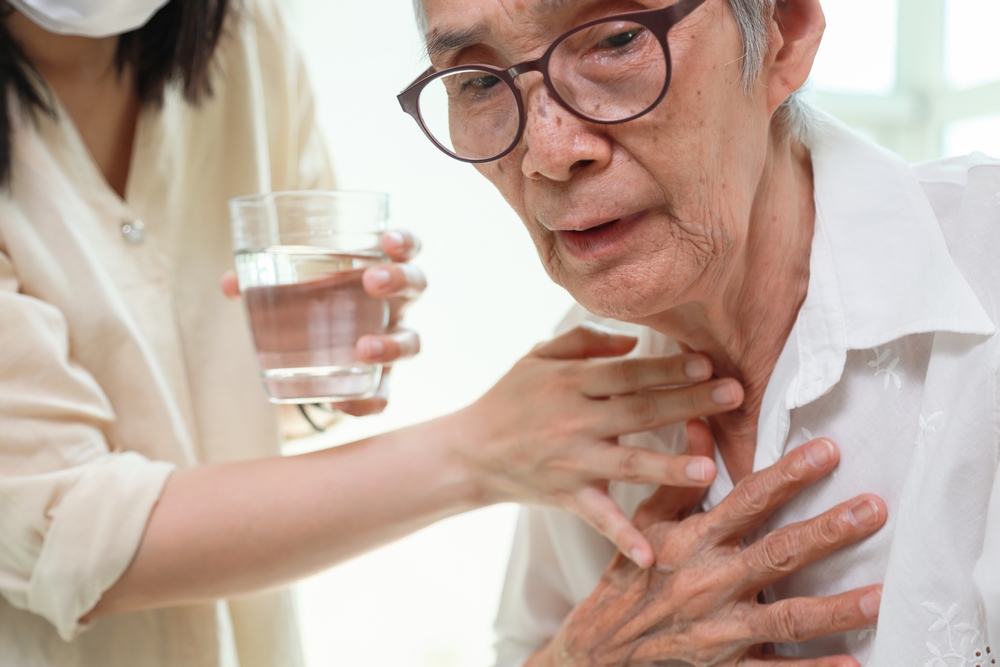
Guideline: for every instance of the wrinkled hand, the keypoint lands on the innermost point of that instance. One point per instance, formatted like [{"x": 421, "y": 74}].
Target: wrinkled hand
[
  {"x": 400, "y": 283},
  {"x": 547, "y": 433},
  {"x": 698, "y": 606}
]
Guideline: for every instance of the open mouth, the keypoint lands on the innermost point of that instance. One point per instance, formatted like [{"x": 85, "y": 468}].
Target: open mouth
[{"x": 599, "y": 240}]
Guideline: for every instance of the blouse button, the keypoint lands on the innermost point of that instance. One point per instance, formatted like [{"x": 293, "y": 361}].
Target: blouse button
[{"x": 134, "y": 231}]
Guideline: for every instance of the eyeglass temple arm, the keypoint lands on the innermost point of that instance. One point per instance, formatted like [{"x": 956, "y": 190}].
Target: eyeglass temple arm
[{"x": 683, "y": 8}]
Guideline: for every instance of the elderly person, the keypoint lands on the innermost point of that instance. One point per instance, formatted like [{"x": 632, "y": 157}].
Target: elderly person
[{"x": 670, "y": 178}]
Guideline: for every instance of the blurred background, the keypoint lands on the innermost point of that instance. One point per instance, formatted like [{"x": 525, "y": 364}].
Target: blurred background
[{"x": 919, "y": 76}]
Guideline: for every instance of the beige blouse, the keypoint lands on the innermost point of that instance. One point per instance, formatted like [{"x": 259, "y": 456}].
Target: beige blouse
[{"x": 120, "y": 359}]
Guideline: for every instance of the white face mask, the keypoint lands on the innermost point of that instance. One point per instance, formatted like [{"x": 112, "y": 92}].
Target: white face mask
[{"x": 89, "y": 18}]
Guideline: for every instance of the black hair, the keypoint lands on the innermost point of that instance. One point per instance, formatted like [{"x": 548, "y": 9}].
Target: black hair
[{"x": 176, "y": 45}]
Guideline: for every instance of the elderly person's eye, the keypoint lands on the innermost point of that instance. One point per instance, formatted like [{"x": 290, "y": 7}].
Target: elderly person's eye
[
  {"x": 619, "y": 40},
  {"x": 481, "y": 82}
]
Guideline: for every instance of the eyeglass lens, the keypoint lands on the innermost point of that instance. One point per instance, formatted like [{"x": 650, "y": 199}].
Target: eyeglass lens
[{"x": 611, "y": 71}]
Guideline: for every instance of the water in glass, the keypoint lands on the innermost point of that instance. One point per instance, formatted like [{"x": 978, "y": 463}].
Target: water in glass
[{"x": 307, "y": 310}]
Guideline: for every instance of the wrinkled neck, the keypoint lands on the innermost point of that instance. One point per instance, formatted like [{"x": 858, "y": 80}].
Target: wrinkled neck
[{"x": 743, "y": 323}]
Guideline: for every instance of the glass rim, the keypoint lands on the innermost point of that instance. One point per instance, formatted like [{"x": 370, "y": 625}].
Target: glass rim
[
  {"x": 272, "y": 197},
  {"x": 320, "y": 218}
]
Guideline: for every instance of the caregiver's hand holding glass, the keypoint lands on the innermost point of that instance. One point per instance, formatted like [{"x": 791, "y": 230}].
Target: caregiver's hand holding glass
[{"x": 325, "y": 287}]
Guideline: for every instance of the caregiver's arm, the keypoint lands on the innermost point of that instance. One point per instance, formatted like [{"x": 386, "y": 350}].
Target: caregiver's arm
[{"x": 544, "y": 434}]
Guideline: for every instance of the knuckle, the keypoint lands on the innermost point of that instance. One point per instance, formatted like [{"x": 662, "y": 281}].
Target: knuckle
[
  {"x": 762, "y": 487},
  {"x": 783, "y": 623},
  {"x": 698, "y": 402},
  {"x": 630, "y": 466},
  {"x": 844, "y": 616},
  {"x": 750, "y": 495},
  {"x": 826, "y": 530},
  {"x": 785, "y": 476},
  {"x": 776, "y": 552},
  {"x": 626, "y": 372},
  {"x": 643, "y": 410}
]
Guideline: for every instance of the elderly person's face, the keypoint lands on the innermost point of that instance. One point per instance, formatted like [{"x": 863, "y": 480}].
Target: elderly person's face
[{"x": 636, "y": 218}]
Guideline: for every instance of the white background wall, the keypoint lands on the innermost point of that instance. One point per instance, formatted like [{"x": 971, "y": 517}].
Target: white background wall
[{"x": 429, "y": 600}]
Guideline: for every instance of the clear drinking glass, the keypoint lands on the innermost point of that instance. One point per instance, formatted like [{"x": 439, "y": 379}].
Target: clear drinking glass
[{"x": 299, "y": 258}]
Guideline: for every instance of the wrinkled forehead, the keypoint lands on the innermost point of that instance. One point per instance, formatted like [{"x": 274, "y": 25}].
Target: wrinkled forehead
[{"x": 456, "y": 25}]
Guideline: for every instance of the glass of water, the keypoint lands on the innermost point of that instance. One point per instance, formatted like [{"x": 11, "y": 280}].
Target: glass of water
[{"x": 299, "y": 258}]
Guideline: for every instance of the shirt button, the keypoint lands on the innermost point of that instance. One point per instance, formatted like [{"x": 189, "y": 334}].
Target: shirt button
[{"x": 134, "y": 231}]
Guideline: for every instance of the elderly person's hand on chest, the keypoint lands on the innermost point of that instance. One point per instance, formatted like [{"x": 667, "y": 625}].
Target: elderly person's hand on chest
[{"x": 699, "y": 605}]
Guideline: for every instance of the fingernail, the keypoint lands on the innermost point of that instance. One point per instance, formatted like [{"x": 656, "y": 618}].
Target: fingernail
[
  {"x": 380, "y": 277},
  {"x": 820, "y": 453},
  {"x": 395, "y": 237},
  {"x": 863, "y": 513},
  {"x": 697, "y": 369},
  {"x": 697, "y": 471},
  {"x": 870, "y": 603},
  {"x": 724, "y": 394},
  {"x": 637, "y": 557},
  {"x": 372, "y": 348}
]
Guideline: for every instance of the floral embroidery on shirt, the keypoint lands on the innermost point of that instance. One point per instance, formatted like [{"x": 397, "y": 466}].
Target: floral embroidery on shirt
[
  {"x": 960, "y": 644},
  {"x": 889, "y": 371},
  {"x": 926, "y": 427}
]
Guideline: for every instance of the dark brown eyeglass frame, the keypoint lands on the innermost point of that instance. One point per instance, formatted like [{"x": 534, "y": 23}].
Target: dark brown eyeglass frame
[{"x": 657, "y": 21}]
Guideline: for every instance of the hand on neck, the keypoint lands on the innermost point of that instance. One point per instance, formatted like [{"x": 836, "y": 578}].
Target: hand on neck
[{"x": 745, "y": 306}]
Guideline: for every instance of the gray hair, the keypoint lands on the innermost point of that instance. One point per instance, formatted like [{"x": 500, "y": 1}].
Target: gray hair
[{"x": 795, "y": 116}]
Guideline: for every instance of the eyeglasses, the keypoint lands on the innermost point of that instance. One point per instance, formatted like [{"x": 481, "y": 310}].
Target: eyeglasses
[{"x": 608, "y": 71}]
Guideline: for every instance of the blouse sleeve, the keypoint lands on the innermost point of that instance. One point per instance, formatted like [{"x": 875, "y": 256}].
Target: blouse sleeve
[
  {"x": 535, "y": 598},
  {"x": 556, "y": 562},
  {"x": 72, "y": 512}
]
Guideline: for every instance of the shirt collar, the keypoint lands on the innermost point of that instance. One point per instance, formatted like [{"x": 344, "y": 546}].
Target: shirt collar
[
  {"x": 880, "y": 267},
  {"x": 880, "y": 270}
]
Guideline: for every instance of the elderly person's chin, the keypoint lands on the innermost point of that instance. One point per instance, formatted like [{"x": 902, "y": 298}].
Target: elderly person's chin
[{"x": 647, "y": 277}]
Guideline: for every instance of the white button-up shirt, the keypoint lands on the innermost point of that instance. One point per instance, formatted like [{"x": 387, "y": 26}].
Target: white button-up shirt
[{"x": 894, "y": 356}]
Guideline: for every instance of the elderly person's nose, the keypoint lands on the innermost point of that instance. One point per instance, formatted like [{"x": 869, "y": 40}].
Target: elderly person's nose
[{"x": 559, "y": 144}]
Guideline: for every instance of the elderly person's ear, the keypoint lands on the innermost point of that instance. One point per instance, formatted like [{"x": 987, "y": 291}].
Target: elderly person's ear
[{"x": 796, "y": 30}]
